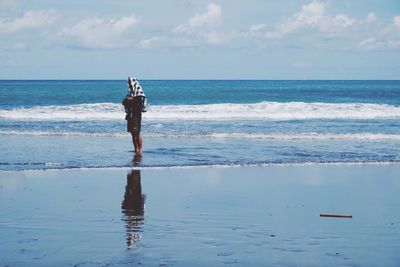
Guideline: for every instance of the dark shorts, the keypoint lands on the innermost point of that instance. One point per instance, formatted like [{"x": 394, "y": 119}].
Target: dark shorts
[{"x": 134, "y": 124}]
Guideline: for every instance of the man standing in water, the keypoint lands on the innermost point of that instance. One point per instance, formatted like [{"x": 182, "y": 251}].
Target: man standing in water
[{"x": 135, "y": 104}]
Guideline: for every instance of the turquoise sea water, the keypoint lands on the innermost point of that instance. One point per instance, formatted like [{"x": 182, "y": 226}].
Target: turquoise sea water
[{"x": 73, "y": 124}]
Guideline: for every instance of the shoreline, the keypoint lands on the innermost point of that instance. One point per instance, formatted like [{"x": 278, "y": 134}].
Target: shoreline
[{"x": 383, "y": 163}]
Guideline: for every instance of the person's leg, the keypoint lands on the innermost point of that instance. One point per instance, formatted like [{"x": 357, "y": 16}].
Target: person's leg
[
  {"x": 134, "y": 142},
  {"x": 139, "y": 136},
  {"x": 137, "y": 148},
  {"x": 140, "y": 143},
  {"x": 136, "y": 134}
]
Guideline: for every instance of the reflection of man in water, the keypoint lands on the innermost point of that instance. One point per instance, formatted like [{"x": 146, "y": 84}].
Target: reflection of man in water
[
  {"x": 137, "y": 159},
  {"x": 133, "y": 207}
]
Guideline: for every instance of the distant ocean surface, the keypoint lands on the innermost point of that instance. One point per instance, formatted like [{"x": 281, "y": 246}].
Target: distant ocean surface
[{"x": 80, "y": 124}]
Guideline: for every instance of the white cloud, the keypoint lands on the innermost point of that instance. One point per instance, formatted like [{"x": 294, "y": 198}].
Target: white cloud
[
  {"x": 393, "y": 29},
  {"x": 386, "y": 38},
  {"x": 257, "y": 27},
  {"x": 371, "y": 43},
  {"x": 150, "y": 42},
  {"x": 312, "y": 16},
  {"x": 396, "y": 21},
  {"x": 393, "y": 43},
  {"x": 371, "y": 17},
  {"x": 212, "y": 16},
  {"x": 100, "y": 32},
  {"x": 164, "y": 42},
  {"x": 215, "y": 37},
  {"x": 201, "y": 28},
  {"x": 124, "y": 23},
  {"x": 336, "y": 23},
  {"x": 209, "y": 19},
  {"x": 30, "y": 20},
  {"x": 256, "y": 30}
]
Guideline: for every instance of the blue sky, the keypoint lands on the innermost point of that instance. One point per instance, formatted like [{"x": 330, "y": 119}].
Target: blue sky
[{"x": 184, "y": 39}]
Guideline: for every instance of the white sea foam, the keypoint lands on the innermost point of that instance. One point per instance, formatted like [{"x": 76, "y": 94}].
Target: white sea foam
[
  {"x": 310, "y": 136},
  {"x": 228, "y": 165},
  {"x": 257, "y": 111},
  {"x": 277, "y": 111},
  {"x": 80, "y": 112},
  {"x": 262, "y": 136},
  {"x": 61, "y": 133}
]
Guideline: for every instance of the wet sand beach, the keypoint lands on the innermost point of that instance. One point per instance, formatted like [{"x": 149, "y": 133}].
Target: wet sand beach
[{"x": 231, "y": 216}]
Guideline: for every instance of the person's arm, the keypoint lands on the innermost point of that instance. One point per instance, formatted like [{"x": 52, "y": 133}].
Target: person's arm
[
  {"x": 126, "y": 100},
  {"x": 126, "y": 103}
]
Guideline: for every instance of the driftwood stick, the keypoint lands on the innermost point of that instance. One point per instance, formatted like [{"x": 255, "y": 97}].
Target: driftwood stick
[{"x": 337, "y": 215}]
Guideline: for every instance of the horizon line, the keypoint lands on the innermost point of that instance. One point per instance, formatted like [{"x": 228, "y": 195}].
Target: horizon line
[{"x": 152, "y": 79}]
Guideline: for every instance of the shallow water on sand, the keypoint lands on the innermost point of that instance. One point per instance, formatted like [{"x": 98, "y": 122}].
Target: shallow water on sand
[
  {"x": 64, "y": 152},
  {"x": 201, "y": 217}
]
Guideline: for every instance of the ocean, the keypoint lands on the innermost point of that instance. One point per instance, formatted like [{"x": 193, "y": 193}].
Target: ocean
[{"x": 56, "y": 124}]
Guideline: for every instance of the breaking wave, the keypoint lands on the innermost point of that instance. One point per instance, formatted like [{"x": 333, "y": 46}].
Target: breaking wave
[{"x": 257, "y": 111}]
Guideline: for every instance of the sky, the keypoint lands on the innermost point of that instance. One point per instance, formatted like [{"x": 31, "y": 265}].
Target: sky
[{"x": 185, "y": 39}]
